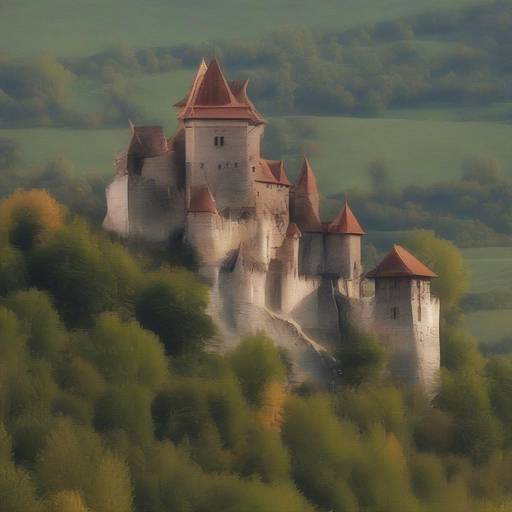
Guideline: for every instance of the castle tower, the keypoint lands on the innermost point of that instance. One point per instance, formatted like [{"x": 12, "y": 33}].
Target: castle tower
[
  {"x": 343, "y": 246},
  {"x": 406, "y": 316},
  {"x": 306, "y": 198},
  {"x": 203, "y": 226},
  {"x": 222, "y": 138}
]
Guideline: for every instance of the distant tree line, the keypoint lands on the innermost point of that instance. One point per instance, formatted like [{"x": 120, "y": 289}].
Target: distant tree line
[
  {"x": 450, "y": 57},
  {"x": 474, "y": 211}
]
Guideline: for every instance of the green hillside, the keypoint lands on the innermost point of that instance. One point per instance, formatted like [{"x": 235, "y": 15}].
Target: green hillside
[{"x": 83, "y": 27}]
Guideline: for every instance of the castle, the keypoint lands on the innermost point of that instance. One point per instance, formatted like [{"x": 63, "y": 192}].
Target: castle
[{"x": 270, "y": 261}]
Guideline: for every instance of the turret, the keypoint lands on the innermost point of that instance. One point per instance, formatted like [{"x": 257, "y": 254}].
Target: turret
[
  {"x": 343, "y": 245},
  {"x": 221, "y": 151},
  {"x": 406, "y": 316},
  {"x": 306, "y": 199},
  {"x": 203, "y": 225}
]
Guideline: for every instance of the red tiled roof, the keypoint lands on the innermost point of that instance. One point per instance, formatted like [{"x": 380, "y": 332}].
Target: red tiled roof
[
  {"x": 147, "y": 141},
  {"x": 214, "y": 90},
  {"x": 279, "y": 172},
  {"x": 271, "y": 171},
  {"x": 346, "y": 223},
  {"x": 293, "y": 231},
  {"x": 307, "y": 219},
  {"x": 400, "y": 263},
  {"x": 306, "y": 183},
  {"x": 211, "y": 97},
  {"x": 201, "y": 200},
  {"x": 201, "y": 70}
]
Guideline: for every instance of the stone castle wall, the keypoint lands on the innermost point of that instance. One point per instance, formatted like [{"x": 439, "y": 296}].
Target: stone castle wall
[{"x": 224, "y": 169}]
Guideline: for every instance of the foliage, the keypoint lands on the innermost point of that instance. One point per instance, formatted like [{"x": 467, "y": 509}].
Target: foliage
[
  {"x": 101, "y": 419},
  {"x": 173, "y": 306},
  {"x": 256, "y": 362},
  {"x": 446, "y": 261}
]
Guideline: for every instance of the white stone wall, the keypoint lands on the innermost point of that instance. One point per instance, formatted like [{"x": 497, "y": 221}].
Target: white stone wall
[
  {"x": 343, "y": 255},
  {"x": 311, "y": 254},
  {"x": 117, "y": 206},
  {"x": 224, "y": 169},
  {"x": 412, "y": 339}
]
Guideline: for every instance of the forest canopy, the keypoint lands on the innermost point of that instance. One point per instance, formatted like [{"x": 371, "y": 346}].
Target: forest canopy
[{"x": 107, "y": 407}]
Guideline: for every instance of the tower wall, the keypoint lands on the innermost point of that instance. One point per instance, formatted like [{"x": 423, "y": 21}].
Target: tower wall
[
  {"x": 224, "y": 169},
  {"x": 311, "y": 254},
  {"x": 343, "y": 255},
  {"x": 406, "y": 318}
]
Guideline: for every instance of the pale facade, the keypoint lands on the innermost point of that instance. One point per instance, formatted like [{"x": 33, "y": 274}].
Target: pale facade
[{"x": 272, "y": 264}]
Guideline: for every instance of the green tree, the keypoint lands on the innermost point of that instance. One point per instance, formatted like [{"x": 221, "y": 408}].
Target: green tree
[
  {"x": 446, "y": 261},
  {"x": 256, "y": 362},
  {"x": 173, "y": 305}
]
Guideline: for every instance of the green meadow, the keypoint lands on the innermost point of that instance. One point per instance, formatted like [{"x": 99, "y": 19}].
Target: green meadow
[
  {"x": 491, "y": 268},
  {"x": 81, "y": 27},
  {"x": 419, "y": 152},
  {"x": 490, "y": 326}
]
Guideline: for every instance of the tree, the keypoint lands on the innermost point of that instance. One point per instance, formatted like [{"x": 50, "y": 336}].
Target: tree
[
  {"x": 41, "y": 323},
  {"x": 66, "y": 501},
  {"x": 30, "y": 217},
  {"x": 173, "y": 305},
  {"x": 125, "y": 353},
  {"x": 446, "y": 261},
  {"x": 362, "y": 357},
  {"x": 256, "y": 362}
]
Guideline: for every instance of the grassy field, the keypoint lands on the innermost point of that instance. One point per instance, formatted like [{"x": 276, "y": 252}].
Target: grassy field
[
  {"x": 491, "y": 268},
  {"x": 418, "y": 152},
  {"x": 490, "y": 326},
  {"x": 81, "y": 27}
]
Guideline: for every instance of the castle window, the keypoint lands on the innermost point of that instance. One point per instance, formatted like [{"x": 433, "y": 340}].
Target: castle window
[
  {"x": 253, "y": 169},
  {"x": 216, "y": 141},
  {"x": 221, "y": 141},
  {"x": 395, "y": 313}
]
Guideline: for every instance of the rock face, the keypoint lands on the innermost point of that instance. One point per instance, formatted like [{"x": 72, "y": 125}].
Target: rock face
[{"x": 271, "y": 262}]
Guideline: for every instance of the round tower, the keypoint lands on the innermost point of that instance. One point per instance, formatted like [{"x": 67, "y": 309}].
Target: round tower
[{"x": 406, "y": 316}]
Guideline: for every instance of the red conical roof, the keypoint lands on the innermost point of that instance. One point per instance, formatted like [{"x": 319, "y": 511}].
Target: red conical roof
[
  {"x": 214, "y": 90},
  {"x": 306, "y": 184},
  {"x": 201, "y": 200},
  {"x": 400, "y": 263},
  {"x": 293, "y": 231},
  {"x": 211, "y": 97},
  {"x": 346, "y": 223},
  {"x": 307, "y": 219},
  {"x": 279, "y": 172}
]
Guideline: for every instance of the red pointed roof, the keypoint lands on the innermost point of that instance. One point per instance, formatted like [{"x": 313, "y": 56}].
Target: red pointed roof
[
  {"x": 147, "y": 141},
  {"x": 293, "y": 231},
  {"x": 346, "y": 223},
  {"x": 271, "y": 171},
  {"x": 201, "y": 200},
  {"x": 306, "y": 184},
  {"x": 307, "y": 219},
  {"x": 214, "y": 89},
  {"x": 400, "y": 263},
  {"x": 211, "y": 97}
]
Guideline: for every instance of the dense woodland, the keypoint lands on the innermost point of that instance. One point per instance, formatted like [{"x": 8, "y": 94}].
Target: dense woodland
[
  {"x": 109, "y": 398},
  {"x": 109, "y": 401},
  {"x": 451, "y": 57}
]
